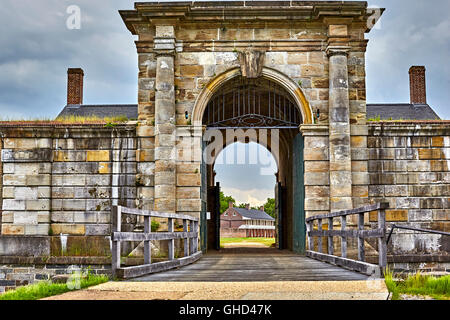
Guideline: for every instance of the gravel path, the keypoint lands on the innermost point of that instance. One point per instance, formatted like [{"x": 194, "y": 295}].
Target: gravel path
[{"x": 280, "y": 290}]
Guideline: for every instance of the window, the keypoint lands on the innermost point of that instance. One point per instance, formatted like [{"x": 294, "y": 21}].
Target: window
[
  {"x": 234, "y": 214},
  {"x": 225, "y": 214}
]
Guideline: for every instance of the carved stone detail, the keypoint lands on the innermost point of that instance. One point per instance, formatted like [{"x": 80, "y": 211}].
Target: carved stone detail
[{"x": 252, "y": 63}]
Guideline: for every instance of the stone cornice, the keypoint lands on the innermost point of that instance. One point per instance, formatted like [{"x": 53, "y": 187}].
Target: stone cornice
[
  {"x": 337, "y": 51},
  {"x": 289, "y": 45},
  {"x": 314, "y": 130},
  {"x": 164, "y": 46},
  {"x": 236, "y": 11}
]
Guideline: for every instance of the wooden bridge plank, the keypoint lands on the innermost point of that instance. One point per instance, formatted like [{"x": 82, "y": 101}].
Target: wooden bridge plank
[
  {"x": 359, "y": 266},
  {"x": 137, "y": 271},
  {"x": 268, "y": 266}
]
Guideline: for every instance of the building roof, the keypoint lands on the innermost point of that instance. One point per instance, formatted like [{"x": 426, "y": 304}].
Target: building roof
[
  {"x": 401, "y": 111},
  {"x": 393, "y": 111},
  {"x": 253, "y": 214},
  {"x": 100, "y": 111}
]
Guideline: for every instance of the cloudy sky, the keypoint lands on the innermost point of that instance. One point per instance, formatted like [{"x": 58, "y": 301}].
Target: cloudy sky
[{"x": 36, "y": 48}]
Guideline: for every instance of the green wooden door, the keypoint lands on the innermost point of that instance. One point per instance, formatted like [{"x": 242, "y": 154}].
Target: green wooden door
[
  {"x": 217, "y": 216},
  {"x": 299, "y": 227},
  {"x": 279, "y": 215},
  {"x": 203, "y": 195}
]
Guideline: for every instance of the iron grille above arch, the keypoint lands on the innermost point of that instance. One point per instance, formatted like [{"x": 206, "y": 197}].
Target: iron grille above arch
[{"x": 252, "y": 103}]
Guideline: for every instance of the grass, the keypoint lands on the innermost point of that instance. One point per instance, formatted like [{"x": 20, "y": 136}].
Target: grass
[
  {"x": 72, "y": 119},
  {"x": 45, "y": 289},
  {"x": 419, "y": 285},
  {"x": 266, "y": 241},
  {"x": 378, "y": 119}
]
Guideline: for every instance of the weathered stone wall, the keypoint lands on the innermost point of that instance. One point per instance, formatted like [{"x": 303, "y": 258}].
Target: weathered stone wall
[
  {"x": 408, "y": 166},
  {"x": 317, "y": 174},
  {"x": 64, "y": 180},
  {"x": 205, "y": 51}
]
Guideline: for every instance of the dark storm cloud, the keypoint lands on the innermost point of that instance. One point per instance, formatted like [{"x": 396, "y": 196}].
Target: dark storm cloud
[{"x": 36, "y": 48}]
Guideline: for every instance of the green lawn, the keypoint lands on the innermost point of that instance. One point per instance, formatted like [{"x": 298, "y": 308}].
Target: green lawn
[
  {"x": 45, "y": 289},
  {"x": 418, "y": 284},
  {"x": 266, "y": 241}
]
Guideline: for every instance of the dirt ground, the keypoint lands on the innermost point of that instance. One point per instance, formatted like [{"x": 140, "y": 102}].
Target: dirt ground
[{"x": 280, "y": 290}]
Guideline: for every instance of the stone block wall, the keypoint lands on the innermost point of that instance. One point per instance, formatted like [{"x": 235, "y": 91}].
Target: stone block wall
[
  {"x": 408, "y": 166},
  {"x": 64, "y": 180},
  {"x": 188, "y": 170},
  {"x": 205, "y": 52},
  {"x": 317, "y": 170}
]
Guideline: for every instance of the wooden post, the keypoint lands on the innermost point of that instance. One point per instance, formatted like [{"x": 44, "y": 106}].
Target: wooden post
[
  {"x": 147, "y": 244},
  {"x": 172, "y": 241},
  {"x": 330, "y": 238},
  {"x": 361, "y": 249},
  {"x": 382, "y": 246},
  {"x": 319, "y": 239},
  {"x": 116, "y": 227},
  {"x": 195, "y": 249},
  {"x": 191, "y": 240},
  {"x": 186, "y": 240},
  {"x": 310, "y": 238},
  {"x": 343, "y": 238}
]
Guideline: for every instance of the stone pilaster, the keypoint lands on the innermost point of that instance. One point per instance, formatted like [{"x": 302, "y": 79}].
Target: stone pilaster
[
  {"x": 165, "y": 123},
  {"x": 317, "y": 177},
  {"x": 339, "y": 119}
]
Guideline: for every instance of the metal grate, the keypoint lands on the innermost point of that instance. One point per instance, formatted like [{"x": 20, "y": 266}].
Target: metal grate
[{"x": 252, "y": 103}]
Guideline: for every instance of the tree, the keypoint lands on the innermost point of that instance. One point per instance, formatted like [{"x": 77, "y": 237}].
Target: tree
[
  {"x": 224, "y": 202},
  {"x": 269, "y": 207}
]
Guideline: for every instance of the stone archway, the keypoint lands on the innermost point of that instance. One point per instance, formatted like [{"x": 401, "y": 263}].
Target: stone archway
[
  {"x": 271, "y": 74},
  {"x": 281, "y": 142}
]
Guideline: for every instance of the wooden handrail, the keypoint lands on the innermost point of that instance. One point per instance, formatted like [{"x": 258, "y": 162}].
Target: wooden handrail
[
  {"x": 191, "y": 252},
  {"x": 359, "y": 233},
  {"x": 155, "y": 214},
  {"x": 368, "y": 208}
]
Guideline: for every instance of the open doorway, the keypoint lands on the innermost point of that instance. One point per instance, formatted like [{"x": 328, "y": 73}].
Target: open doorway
[
  {"x": 247, "y": 113},
  {"x": 246, "y": 174}
]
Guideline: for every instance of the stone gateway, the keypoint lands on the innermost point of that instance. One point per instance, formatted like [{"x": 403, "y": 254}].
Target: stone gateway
[{"x": 287, "y": 74}]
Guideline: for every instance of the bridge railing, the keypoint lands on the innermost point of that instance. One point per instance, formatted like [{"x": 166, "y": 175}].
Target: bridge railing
[
  {"x": 360, "y": 233},
  {"x": 189, "y": 235}
]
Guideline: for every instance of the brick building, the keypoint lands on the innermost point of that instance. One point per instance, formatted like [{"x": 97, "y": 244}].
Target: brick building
[{"x": 246, "y": 222}]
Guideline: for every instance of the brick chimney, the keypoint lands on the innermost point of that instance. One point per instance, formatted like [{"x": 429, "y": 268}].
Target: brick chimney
[
  {"x": 261, "y": 208},
  {"x": 230, "y": 204},
  {"x": 75, "y": 86},
  {"x": 417, "y": 85},
  {"x": 247, "y": 206}
]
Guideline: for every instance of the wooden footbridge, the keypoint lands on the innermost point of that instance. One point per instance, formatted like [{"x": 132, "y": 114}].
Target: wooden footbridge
[{"x": 247, "y": 265}]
